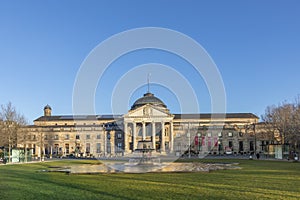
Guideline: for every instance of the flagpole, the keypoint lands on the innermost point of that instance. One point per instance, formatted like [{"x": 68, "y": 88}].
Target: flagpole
[{"x": 148, "y": 82}]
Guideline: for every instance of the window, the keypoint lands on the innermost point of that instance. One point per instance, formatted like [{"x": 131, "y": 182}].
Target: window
[
  {"x": 208, "y": 134},
  {"x": 108, "y": 148},
  {"x": 230, "y": 144},
  {"x": 229, "y": 134},
  {"x": 178, "y": 147},
  {"x": 56, "y": 137},
  {"x": 56, "y": 148},
  {"x": 67, "y": 137},
  {"x": 119, "y": 146},
  {"x": 88, "y": 137},
  {"x": 251, "y": 146},
  {"x": 46, "y": 137},
  {"x": 88, "y": 148},
  {"x": 67, "y": 148},
  {"x": 119, "y": 136},
  {"x": 98, "y": 148},
  {"x": 98, "y": 136},
  {"x": 262, "y": 145},
  {"x": 219, "y": 134},
  {"x": 241, "y": 146},
  {"x": 33, "y": 137},
  {"x": 77, "y": 137},
  {"x": 209, "y": 143}
]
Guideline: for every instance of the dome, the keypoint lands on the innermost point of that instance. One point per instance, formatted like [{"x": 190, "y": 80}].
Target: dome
[
  {"x": 47, "y": 107},
  {"x": 148, "y": 98}
]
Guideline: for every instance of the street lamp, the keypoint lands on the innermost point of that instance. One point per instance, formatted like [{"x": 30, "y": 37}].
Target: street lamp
[
  {"x": 199, "y": 146},
  {"x": 189, "y": 136},
  {"x": 41, "y": 147},
  {"x": 199, "y": 139},
  {"x": 219, "y": 145},
  {"x": 9, "y": 148},
  {"x": 189, "y": 148},
  {"x": 9, "y": 140},
  {"x": 254, "y": 132}
]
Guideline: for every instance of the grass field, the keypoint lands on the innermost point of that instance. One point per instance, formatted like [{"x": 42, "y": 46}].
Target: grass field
[{"x": 256, "y": 180}]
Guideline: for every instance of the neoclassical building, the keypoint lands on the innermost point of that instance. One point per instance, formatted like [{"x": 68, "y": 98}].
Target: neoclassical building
[{"x": 150, "y": 120}]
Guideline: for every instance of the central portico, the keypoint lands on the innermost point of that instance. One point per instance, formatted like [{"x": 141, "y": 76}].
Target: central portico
[{"x": 148, "y": 120}]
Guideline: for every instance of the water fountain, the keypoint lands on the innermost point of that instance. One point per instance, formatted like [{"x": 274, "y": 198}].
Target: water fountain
[
  {"x": 143, "y": 160},
  {"x": 143, "y": 154}
]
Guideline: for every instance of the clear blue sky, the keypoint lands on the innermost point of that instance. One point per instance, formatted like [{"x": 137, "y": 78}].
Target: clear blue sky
[{"x": 255, "y": 44}]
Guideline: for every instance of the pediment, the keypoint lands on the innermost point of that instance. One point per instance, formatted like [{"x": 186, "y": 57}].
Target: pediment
[{"x": 147, "y": 111}]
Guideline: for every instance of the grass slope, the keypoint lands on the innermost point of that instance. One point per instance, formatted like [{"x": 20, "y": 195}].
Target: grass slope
[{"x": 256, "y": 180}]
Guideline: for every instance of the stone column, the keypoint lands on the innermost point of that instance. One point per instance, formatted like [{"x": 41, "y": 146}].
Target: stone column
[
  {"x": 112, "y": 142},
  {"x": 153, "y": 135},
  {"x": 39, "y": 152},
  {"x": 144, "y": 131},
  {"x": 162, "y": 144},
  {"x": 105, "y": 143},
  {"x": 134, "y": 136},
  {"x": 171, "y": 137},
  {"x": 125, "y": 137}
]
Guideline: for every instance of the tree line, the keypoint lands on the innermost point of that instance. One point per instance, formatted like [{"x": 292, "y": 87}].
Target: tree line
[
  {"x": 12, "y": 125},
  {"x": 284, "y": 119}
]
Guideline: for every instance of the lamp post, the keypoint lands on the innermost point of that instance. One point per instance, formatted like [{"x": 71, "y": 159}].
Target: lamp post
[
  {"x": 254, "y": 138},
  {"x": 9, "y": 148},
  {"x": 199, "y": 144},
  {"x": 189, "y": 137},
  {"x": 41, "y": 147},
  {"x": 199, "y": 147},
  {"x": 219, "y": 146},
  {"x": 9, "y": 140}
]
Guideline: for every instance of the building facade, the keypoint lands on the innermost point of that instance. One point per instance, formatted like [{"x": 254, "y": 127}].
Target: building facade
[{"x": 150, "y": 120}]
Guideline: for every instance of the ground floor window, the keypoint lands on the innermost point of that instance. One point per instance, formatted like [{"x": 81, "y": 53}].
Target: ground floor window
[
  {"x": 88, "y": 148},
  {"x": 230, "y": 144},
  {"x": 98, "y": 148},
  {"x": 178, "y": 147},
  {"x": 119, "y": 146},
  {"x": 108, "y": 148},
  {"x": 67, "y": 148},
  {"x": 251, "y": 146},
  {"x": 241, "y": 146}
]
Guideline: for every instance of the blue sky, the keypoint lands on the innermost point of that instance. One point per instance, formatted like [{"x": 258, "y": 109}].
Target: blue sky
[{"x": 255, "y": 45}]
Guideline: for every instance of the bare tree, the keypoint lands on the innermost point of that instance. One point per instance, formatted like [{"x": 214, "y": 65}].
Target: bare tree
[
  {"x": 11, "y": 127},
  {"x": 284, "y": 121}
]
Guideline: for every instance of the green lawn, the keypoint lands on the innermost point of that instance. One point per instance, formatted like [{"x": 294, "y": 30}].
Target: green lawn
[{"x": 256, "y": 180}]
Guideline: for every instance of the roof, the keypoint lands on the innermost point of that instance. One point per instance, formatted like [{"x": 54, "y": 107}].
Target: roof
[
  {"x": 176, "y": 116},
  {"x": 47, "y": 107},
  {"x": 215, "y": 115},
  {"x": 77, "y": 117}
]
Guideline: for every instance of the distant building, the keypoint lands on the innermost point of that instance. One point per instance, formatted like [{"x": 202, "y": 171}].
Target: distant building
[{"x": 149, "y": 119}]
